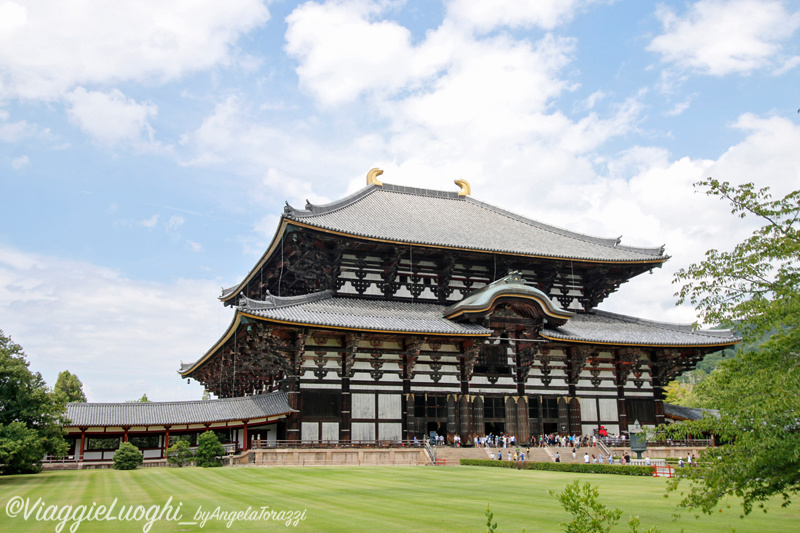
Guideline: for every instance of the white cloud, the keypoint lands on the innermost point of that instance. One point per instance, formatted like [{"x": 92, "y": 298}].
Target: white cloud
[
  {"x": 679, "y": 108},
  {"x": 342, "y": 54},
  {"x": 111, "y": 118},
  {"x": 174, "y": 223},
  {"x": 126, "y": 337},
  {"x": 458, "y": 104},
  {"x": 15, "y": 131},
  {"x": 150, "y": 222},
  {"x": 724, "y": 37},
  {"x": 486, "y": 15},
  {"x": 47, "y": 48},
  {"x": 20, "y": 162}
]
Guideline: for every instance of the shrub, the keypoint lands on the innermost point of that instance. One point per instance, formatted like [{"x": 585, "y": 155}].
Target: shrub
[
  {"x": 179, "y": 453},
  {"x": 127, "y": 457},
  {"x": 208, "y": 450},
  {"x": 627, "y": 470}
]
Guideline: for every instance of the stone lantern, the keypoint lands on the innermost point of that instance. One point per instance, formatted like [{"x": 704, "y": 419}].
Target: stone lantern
[{"x": 638, "y": 440}]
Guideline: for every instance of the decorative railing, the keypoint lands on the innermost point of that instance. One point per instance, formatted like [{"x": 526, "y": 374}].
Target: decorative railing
[
  {"x": 603, "y": 448},
  {"x": 669, "y": 443},
  {"x": 431, "y": 451},
  {"x": 271, "y": 444}
]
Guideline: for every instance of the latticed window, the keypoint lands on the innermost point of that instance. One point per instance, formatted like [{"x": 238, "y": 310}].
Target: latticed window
[
  {"x": 430, "y": 406},
  {"x": 549, "y": 408},
  {"x": 533, "y": 407},
  {"x": 321, "y": 404},
  {"x": 494, "y": 408},
  {"x": 110, "y": 443},
  {"x": 641, "y": 410},
  {"x": 492, "y": 359},
  {"x": 146, "y": 441}
]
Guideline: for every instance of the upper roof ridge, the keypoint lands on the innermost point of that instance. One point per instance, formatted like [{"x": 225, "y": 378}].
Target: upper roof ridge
[{"x": 312, "y": 210}]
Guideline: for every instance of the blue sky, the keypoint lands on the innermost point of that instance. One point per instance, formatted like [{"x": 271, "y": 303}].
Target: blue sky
[{"x": 147, "y": 148}]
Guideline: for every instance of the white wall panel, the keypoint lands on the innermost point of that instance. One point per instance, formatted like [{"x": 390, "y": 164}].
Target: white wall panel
[
  {"x": 330, "y": 431},
  {"x": 588, "y": 410},
  {"x": 608, "y": 409},
  {"x": 363, "y": 406},
  {"x": 389, "y": 406},
  {"x": 309, "y": 431},
  {"x": 390, "y": 431},
  {"x": 363, "y": 431}
]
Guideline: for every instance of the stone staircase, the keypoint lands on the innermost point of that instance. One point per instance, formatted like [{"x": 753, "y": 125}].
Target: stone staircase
[
  {"x": 452, "y": 455},
  {"x": 566, "y": 454}
]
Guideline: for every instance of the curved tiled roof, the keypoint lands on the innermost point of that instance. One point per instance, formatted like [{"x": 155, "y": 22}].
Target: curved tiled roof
[
  {"x": 438, "y": 218},
  {"x": 170, "y": 413},
  {"x": 680, "y": 412},
  {"x": 362, "y": 314},
  {"x": 602, "y": 327},
  {"x": 512, "y": 286}
]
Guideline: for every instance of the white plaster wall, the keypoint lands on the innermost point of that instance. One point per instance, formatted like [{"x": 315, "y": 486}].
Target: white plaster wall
[
  {"x": 608, "y": 409},
  {"x": 309, "y": 431},
  {"x": 588, "y": 410},
  {"x": 330, "y": 431},
  {"x": 362, "y": 431},
  {"x": 390, "y": 431},
  {"x": 389, "y": 406},
  {"x": 363, "y": 405}
]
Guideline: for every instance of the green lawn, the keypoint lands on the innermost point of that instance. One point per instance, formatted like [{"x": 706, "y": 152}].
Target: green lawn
[{"x": 383, "y": 499}]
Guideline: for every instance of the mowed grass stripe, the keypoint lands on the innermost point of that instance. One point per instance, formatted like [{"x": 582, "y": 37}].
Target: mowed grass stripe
[{"x": 348, "y": 499}]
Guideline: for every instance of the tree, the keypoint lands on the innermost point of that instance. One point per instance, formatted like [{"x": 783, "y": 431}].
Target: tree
[
  {"x": 127, "y": 457},
  {"x": 208, "y": 450},
  {"x": 179, "y": 453},
  {"x": 588, "y": 514},
  {"x": 31, "y": 417},
  {"x": 143, "y": 399},
  {"x": 70, "y": 386},
  {"x": 755, "y": 286}
]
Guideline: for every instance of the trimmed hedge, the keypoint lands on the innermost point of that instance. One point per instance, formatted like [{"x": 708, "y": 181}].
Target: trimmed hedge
[{"x": 627, "y": 470}]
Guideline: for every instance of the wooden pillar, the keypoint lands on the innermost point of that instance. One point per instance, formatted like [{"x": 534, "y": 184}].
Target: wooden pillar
[
  {"x": 511, "y": 415},
  {"x": 466, "y": 364},
  {"x": 166, "y": 442},
  {"x": 465, "y": 412},
  {"x": 452, "y": 418},
  {"x": 575, "y": 421},
  {"x": 125, "y": 435},
  {"x": 523, "y": 421},
  {"x": 83, "y": 444},
  {"x": 245, "y": 441},
  {"x": 346, "y": 425}
]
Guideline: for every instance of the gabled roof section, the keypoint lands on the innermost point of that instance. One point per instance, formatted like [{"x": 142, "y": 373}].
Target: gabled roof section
[
  {"x": 274, "y": 404},
  {"x": 321, "y": 310},
  {"x": 367, "y": 315},
  {"x": 602, "y": 327},
  {"x": 444, "y": 219},
  {"x": 511, "y": 288}
]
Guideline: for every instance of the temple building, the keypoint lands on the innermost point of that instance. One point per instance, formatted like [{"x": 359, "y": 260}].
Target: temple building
[{"x": 396, "y": 312}]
